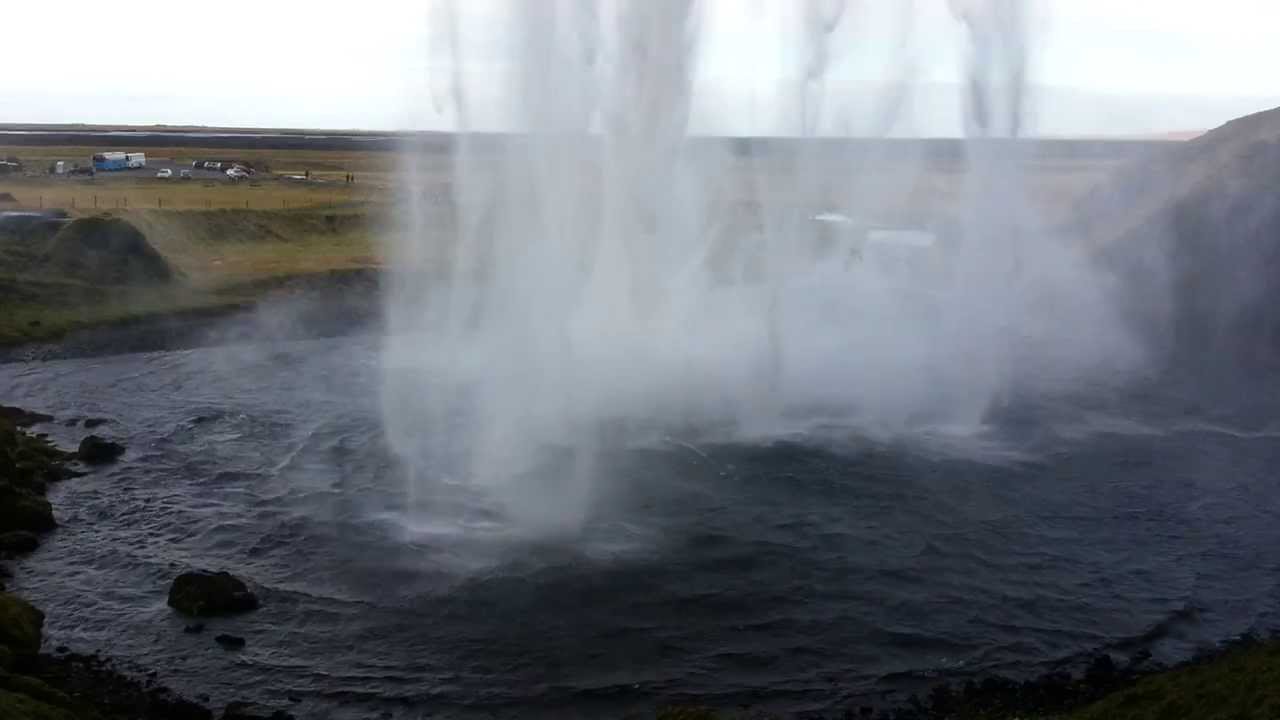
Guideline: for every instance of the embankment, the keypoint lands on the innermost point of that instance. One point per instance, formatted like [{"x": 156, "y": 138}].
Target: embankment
[
  {"x": 133, "y": 274},
  {"x": 1194, "y": 239}
]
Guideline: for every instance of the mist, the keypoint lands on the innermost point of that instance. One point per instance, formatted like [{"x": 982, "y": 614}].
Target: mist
[{"x": 606, "y": 278}]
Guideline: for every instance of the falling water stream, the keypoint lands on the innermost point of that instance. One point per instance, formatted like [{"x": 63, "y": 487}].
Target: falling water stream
[{"x": 602, "y": 275}]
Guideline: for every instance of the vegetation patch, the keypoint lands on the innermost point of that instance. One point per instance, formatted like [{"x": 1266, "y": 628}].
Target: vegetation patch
[{"x": 105, "y": 250}]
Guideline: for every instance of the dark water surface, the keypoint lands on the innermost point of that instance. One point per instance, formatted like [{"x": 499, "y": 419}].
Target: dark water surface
[{"x": 810, "y": 574}]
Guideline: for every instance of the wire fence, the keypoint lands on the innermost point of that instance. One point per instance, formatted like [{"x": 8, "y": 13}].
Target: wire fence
[{"x": 186, "y": 200}]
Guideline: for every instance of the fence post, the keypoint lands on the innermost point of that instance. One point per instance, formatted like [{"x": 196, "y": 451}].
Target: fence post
[
  {"x": 73, "y": 202},
  {"x": 246, "y": 204},
  {"x": 95, "y": 202},
  {"x": 41, "y": 202},
  {"x": 126, "y": 202},
  {"x": 159, "y": 202}
]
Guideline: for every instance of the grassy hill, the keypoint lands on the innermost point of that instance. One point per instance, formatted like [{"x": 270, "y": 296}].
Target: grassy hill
[
  {"x": 211, "y": 259},
  {"x": 1196, "y": 237}
]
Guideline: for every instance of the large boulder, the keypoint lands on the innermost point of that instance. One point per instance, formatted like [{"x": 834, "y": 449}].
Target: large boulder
[
  {"x": 95, "y": 450},
  {"x": 20, "y": 625},
  {"x": 105, "y": 250},
  {"x": 203, "y": 594}
]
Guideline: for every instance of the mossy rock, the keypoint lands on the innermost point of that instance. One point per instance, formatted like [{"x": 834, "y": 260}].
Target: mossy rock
[
  {"x": 24, "y": 510},
  {"x": 27, "y": 462},
  {"x": 16, "y": 706},
  {"x": 20, "y": 625},
  {"x": 204, "y": 594},
  {"x": 36, "y": 690},
  {"x": 95, "y": 450},
  {"x": 1241, "y": 684}
]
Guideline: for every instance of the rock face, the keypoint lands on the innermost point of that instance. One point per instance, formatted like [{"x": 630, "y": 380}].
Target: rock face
[
  {"x": 95, "y": 450},
  {"x": 201, "y": 593},
  {"x": 20, "y": 625}
]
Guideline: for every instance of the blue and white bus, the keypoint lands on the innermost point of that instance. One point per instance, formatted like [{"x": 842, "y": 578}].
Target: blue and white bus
[{"x": 110, "y": 161}]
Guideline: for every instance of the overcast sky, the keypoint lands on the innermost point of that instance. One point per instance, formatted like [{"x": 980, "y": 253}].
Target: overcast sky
[{"x": 1096, "y": 66}]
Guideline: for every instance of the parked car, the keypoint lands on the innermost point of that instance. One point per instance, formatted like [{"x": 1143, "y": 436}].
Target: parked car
[
  {"x": 185, "y": 174},
  {"x": 165, "y": 173},
  {"x": 237, "y": 173}
]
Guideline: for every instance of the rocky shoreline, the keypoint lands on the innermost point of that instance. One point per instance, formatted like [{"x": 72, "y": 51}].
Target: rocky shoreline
[
  {"x": 36, "y": 684},
  {"x": 61, "y": 685}
]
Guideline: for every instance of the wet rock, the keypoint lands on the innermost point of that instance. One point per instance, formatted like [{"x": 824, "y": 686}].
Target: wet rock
[
  {"x": 230, "y": 642},
  {"x": 201, "y": 593},
  {"x": 95, "y": 450},
  {"x": 193, "y": 628},
  {"x": 62, "y": 649},
  {"x": 20, "y": 625},
  {"x": 91, "y": 423},
  {"x": 1101, "y": 669},
  {"x": 21, "y": 509},
  {"x": 252, "y": 711},
  {"x": 22, "y": 418},
  {"x": 18, "y": 541},
  {"x": 58, "y": 473}
]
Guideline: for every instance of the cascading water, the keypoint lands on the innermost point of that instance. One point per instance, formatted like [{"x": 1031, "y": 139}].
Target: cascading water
[{"x": 601, "y": 274}]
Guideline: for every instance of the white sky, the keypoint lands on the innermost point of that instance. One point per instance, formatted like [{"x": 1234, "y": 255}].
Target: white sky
[{"x": 1097, "y": 66}]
